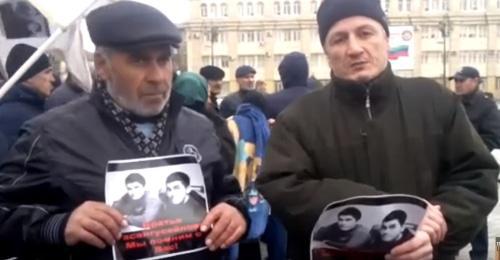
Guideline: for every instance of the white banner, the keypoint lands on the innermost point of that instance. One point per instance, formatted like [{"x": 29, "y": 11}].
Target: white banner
[{"x": 402, "y": 47}]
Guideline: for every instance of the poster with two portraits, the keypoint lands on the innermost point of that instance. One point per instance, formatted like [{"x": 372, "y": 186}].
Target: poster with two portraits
[
  {"x": 365, "y": 227},
  {"x": 164, "y": 202}
]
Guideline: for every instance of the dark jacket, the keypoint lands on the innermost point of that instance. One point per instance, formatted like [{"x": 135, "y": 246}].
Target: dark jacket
[
  {"x": 484, "y": 116},
  {"x": 412, "y": 136},
  {"x": 64, "y": 94},
  {"x": 19, "y": 105},
  {"x": 294, "y": 71},
  {"x": 59, "y": 162},
  {"x": 230, "y": 103}
]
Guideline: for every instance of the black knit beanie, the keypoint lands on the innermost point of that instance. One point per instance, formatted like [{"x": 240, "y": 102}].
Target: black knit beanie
[
  {"x": 332, "y": 11},
  {"x": 18, "y": 55}
]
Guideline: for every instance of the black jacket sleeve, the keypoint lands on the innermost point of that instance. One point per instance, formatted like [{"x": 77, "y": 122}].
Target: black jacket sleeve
[
  {"x": 32, "y": 218},
  {"x": 291, "y": 184},
  {"x": 489, "y": 127},
  {"x": 467, "y": 186}
]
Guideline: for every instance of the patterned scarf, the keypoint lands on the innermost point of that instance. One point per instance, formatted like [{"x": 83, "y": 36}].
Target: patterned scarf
[{"x": 149, "y": 146}]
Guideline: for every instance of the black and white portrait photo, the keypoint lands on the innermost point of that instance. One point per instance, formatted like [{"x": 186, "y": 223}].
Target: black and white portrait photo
[
  {"x": 163, "y": 200},
  {"x": 365, "y": 226}
]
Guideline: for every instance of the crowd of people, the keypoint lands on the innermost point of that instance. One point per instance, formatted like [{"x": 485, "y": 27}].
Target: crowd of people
[{"x": 271, "y": 162}]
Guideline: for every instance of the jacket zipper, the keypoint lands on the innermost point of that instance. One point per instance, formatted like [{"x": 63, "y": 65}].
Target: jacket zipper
[{"x": 368, "y": 104}]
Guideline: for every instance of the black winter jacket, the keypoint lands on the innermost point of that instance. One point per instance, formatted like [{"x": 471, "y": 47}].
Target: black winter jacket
[{"x": 392, "y": 136}]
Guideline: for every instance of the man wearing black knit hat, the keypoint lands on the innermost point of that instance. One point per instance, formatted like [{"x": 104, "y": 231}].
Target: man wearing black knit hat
[
  {"x": 214, "y": 76},
  {"x": 370, "y": 132},
  {"x": 52, "y": 183},
  {"x": 26, "y": 98}
]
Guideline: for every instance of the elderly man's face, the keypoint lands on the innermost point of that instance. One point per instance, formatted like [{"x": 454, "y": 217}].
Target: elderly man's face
[
  {"x": 139, "y": 82},
  {"x": 357, "y": 49}
]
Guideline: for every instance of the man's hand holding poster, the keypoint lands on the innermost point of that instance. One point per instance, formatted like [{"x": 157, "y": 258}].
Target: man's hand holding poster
[
  {"x": 164, "y": 202},
  {"x": 366, "y": 227}
]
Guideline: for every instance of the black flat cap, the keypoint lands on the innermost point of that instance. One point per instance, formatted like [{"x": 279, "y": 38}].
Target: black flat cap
[
  {"x": 131, "y": 25},
  {"x": 18, "y": 55},
  {"x": 466, "y": 72},
  {"x": 212, "y": 73},
  {"x": 244, "y": 70},
  {"x": 332, "y": 11}
]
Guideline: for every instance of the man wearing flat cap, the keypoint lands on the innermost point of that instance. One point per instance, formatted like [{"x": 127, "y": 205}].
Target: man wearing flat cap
[
  {"x": 370, "y": 132},
  {"x": 485, "y": 117},
  {"x": 26, "y": 99},
  {"x": 52, "y": 186},
  {"x": 245, "y": 77},
  {"x": 214, "y": 76}
]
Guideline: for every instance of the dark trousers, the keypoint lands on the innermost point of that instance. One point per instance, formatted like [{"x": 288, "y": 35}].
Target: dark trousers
[{"x": 480, "y": 245}]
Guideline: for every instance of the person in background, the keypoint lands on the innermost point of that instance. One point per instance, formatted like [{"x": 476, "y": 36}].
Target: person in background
[
  {"x": 485, "y": 117},
  {"x": 193, "y": 88},
  {"x": 26, "y": 99},
  {"x": 293, "y": 71},
  {"x": 214, "y": 75},
  {"x": 245, "y": 77},
  {"x": 261, "y": 87},
  {"x": 65, "y": 93}
]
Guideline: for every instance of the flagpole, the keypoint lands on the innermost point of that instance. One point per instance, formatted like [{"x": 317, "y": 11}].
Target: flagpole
[{"x": 20, "y": 72}]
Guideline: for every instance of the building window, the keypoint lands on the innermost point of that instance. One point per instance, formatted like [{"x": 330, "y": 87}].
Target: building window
[
  {"x": 290, "y": 35},
  {"x": 277, "y": 8},
  {"x": 241, "y": 9},
  {"x": 314, "y": 6},
  {"x": 213, "y": 10},
  {"x": 473, "y": 31},
  {"x": 203, "y": 8},
  {"x": 404, "y": 5},
  {"x": 431, "y": 32},
  {"x": 260, "y": 8},
  {"x": 436, "y": 5},
  {"x": 221, "y": 61},
  {"x": 223, "y": 9},
  {"x": 249, "y": 9},
  {"x": 473, "y": 5},
  {"x": 296, "y": 7},
  {"x": 287, "y": 8}
]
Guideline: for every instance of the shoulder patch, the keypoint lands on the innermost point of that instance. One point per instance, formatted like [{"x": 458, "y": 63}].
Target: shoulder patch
[{"x": 192, "y": 150}]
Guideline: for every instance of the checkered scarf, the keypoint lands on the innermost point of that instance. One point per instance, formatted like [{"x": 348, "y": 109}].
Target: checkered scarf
[{"x": 149, "y": 146}]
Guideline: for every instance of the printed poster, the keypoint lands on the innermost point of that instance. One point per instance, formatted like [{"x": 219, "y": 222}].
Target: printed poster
[
  {"x": 164, "y": 201},
  {"x": 402, "y": 47},
  {"x": 366, "y": 227}
]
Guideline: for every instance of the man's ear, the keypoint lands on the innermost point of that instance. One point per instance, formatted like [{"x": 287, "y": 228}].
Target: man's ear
[{"x": 101, "y": 66}]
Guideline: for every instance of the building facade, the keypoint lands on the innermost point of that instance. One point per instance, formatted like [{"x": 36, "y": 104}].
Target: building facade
[{"x": 229, "y": 33}]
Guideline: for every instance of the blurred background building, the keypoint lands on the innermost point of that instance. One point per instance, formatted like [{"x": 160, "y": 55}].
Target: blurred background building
[{"x": 442, "y": 35}]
